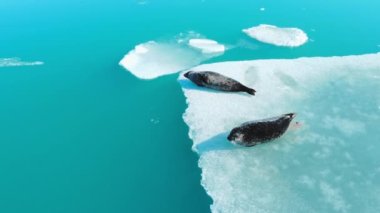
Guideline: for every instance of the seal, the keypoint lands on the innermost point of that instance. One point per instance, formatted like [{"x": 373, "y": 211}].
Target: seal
[
  {"x": 217, "y": 81},
  {"x": 260, "y": 131}
]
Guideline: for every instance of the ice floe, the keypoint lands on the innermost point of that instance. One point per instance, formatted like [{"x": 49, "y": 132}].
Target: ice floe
[
  {"x": 16, "y": 62},
  {"x": 207, "y": 45},
  {"x": 287, "y": 37},
  {"x": 157, "y": 58},
  {"x": 330, "y": 164}
]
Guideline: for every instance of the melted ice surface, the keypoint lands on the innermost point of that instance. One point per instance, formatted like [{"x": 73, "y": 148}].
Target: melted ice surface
[
  {"x": 330, "y": 164},
  {"x": 16, "y": 62},
  {"x": 154, "y": 59},
  {"x": 207, "y": 45},
  {"x": 288, "y": 37}
]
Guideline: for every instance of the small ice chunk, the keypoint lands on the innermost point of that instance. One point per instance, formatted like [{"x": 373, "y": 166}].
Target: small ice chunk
[
  {"x": 287, "y": 37},
  {"x": 17, "y": 62},
  {"x": 207, "y": 45},
  {"x": 153, "y": 59},
  {"x": 262, "y": 9},
  {"x": 155, "y": 121}
]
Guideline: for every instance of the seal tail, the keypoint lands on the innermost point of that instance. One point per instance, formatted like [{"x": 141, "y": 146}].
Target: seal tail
[{"x": 249, "y": 91}]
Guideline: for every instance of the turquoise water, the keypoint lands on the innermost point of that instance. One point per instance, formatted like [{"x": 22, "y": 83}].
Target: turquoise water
[{"x": 79, "y": 134}]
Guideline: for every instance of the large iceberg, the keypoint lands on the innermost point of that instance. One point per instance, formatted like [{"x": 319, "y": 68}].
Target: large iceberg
[
  {"x": 330, "y": 164},
  {"x": 17, "y": 62},
  {"x": 287, "y": 37}
]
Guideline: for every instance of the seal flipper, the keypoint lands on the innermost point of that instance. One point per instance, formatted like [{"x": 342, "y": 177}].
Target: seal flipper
[{"x": 249, "y": 90}]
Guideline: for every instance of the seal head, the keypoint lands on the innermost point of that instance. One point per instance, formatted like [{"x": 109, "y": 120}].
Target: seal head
[{"x": 187, "y": 74}]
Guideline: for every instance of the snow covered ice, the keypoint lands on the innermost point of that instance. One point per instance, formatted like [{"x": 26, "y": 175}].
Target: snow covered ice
[
  {"x": 287, "y": 37},
  {"x": 157, "y": 58},
  {"x": 330, "y": 164}
]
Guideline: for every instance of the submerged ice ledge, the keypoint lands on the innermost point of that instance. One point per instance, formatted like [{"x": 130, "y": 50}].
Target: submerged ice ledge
[
  {"x": 16, "y": 62},
  {"x": 328, "y": 165},
  {"x": 287, "y": 37}
]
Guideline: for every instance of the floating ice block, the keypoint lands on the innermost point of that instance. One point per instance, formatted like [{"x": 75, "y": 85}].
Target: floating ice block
[{"x": 330, "y": 164}]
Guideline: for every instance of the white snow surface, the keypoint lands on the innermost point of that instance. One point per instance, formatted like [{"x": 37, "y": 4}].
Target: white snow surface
[
  {"x": 286, "y": 37},
  {"x": 329, "y": 164}
]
